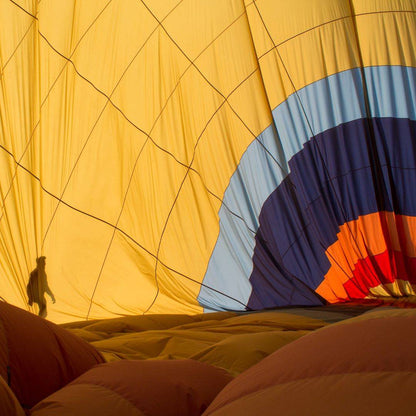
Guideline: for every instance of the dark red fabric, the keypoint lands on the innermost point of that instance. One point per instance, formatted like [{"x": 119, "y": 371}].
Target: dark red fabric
[
  {"x": 9, "y": 405},
  {"x": 161, "y": 387},
  {"x": 41, "y": 357}
]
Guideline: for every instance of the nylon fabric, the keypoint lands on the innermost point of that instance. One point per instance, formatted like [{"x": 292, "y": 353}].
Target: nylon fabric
[{"x": 142, "y": 144}]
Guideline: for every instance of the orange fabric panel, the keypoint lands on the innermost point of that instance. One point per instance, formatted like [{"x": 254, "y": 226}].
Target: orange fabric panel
[
  {"x": 379, "y": 393},
  {"x": 365, "y": 346},
  {"x": 153, "y": 388},
  {"x": 165, "y": 387},
  {"x": 360, "y": 239},
  {"x": 85, "y": 400},
  {"x": 41, "y": 356}
]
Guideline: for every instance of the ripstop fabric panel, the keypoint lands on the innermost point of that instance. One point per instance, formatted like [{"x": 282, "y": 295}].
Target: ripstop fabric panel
[
  {"x": 336, "y": 171},
  {"x": 360, "y": 366},
  {"x": 109, "y": 160},
  {"x": 39, "y": 357},
  {"x": 175, "y": 156},
  {"x": 228, "y": 340},
  {"x": 136, "y": 388},
  {"x": 8, "y": 402}
]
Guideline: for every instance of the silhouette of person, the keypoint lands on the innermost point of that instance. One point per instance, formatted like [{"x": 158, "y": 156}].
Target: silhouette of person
[{"x": 38, "y": 285}]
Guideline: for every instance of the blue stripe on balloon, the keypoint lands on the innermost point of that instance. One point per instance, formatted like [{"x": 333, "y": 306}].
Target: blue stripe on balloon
[{"x": 327, "y": 103}]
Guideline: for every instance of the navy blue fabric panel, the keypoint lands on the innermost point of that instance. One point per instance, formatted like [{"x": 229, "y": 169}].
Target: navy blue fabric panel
[
  {"x": 396, "y": 145},
  {"x": 339, "y": 175},
  {"x": 279, "y": 285},
  {"x": 336, "y": 166}
]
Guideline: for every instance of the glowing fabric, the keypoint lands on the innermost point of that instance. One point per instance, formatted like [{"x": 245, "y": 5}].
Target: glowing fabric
[{"x": 175, "y": 156}]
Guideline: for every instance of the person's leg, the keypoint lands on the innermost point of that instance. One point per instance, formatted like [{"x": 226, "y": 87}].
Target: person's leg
[{"x": 42, "y": 308}]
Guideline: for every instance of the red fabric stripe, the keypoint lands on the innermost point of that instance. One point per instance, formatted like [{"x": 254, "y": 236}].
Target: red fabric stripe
[{"x": 380, "y": 269}]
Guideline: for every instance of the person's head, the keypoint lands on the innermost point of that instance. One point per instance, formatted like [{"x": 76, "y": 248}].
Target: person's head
[{"x": 41, "y": 261}]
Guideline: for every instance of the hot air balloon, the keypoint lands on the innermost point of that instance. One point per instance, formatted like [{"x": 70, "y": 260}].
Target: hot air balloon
[
  {"x": 168, "y": 164},
  {"x": 176, "y": 157}
]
